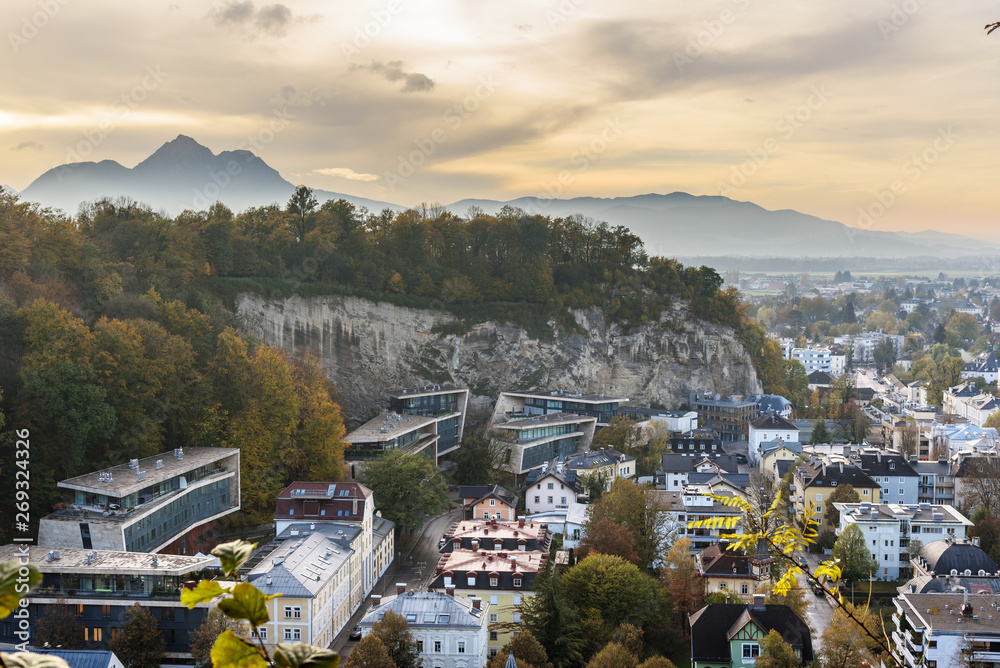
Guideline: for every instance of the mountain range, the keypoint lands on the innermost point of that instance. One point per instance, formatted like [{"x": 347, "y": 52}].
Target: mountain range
[{"x": 183, "y": 174}]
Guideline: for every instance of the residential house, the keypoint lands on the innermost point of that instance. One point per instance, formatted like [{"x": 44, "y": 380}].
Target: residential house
[
  {"x": 695, "y": 442},
  {"x": 771, "y": 454},
  {"x": 939, "y": 561},
  {"x": 568, "y": 522},
  {"x": 693, "y": 505},
  {"x": 479, "y": 535},
  {"x": 502, "y": 578},
  {"x": 772, "y": 403},
  {"x": 533, "y": 441},
  {"x": 607, "y": 464},
  {"x": 813, "y": 358},
  {"x": 450, "y": 631},
  {"x": 677, "y": 469},
  {"x": 550, "y": 488},
  {"x": 937, "y": 482},
  {"x": 966, "y": 401},
  {"x": 726, "y": 634},
  {"x": 900, "y": 482},
  {"x": 819, "y": 380},
  {"x": 770, "y": 427},
  {"x": 445, "y": 403},
  {"x": 488, "y": 502},
  {"x": 736, "y": 571},
  {"x": 167, "y": 503},
  {"x": 649, "y": 419},
  {"x": 99, "y": 586},
  {"x": 946, "y": 629},
  {"x": 729, "y": 417},
  {"x": 84, "y": 658},
  {"x": 512, "y": 405},
  {"x": 888, "y": 529},
  {"x": 814, "y": 482},
  {"x": 964, "y": 438}
]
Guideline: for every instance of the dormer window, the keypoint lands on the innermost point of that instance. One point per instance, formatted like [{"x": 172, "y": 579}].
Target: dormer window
[
  {"x": 892, "y": 465},
  {"x": 472, "y": 579},
  {"x": 517, "y": 580}
]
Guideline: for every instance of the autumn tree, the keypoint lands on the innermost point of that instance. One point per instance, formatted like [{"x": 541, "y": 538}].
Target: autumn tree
[
  {"x": 982, "y": 484},
  {"x": 58, "y": 627},
  {"x": 204, "y": 637},
  {"x": 613, "y": 656},
  {"x": 406, "y": 487},
  {"x": 657, "y": 662},
  {"x": 629, "y": 505},
  {"x": 844, "y": 643},
  {"x": 139, "y": 644},
  {"x": 395, "y": 635},
  {"x": 909, "y": 438},
  {"x": 370, "y": 652},
  {"x": 681, "y": 579},
  {"x": 843, "y": 494},
  {"x": 551, "y": 620},
  {"x": 629, "y": 637},
  {"x": 776, "y": 653},
  {"x": 621, "y": 434},
  {"x": 606, "y": 537},
  {"x": 527, "y": 651}
]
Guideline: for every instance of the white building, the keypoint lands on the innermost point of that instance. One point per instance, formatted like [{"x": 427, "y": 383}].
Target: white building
[
  {"x": 450, "y": 631},
  {"x": 770, "y": 428},
  {"x": 966, "y": 401},
  {"x": 550, "y": 489},
  {"x": 937, "y": 629},
  {"x": 888, "y": 529},
  {"x": 814, "y": 358}
]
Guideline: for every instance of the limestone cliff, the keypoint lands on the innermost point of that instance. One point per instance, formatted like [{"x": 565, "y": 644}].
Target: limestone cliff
[{"x": 370, "y": 347}]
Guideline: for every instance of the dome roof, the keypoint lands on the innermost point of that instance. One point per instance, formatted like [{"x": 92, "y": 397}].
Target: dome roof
[{"x": 944, "y": 556}]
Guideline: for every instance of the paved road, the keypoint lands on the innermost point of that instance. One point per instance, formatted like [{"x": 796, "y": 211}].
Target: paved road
[
  {"x": 414, "y": 565},
  {"x": 819, "y": 614}
]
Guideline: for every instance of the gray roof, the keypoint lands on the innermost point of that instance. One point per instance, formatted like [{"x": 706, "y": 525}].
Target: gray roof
[
  {"x": 80, "y": 658},
  {"x": 304, "y": 562},
  {"x": 738, "y": 480},
  {"x": 773, "y": 421},
  {"x": 943, "y": 556},
  {"x": 886, "y": 464},
  {"x": 123, "y": 480},
  {"x": 674, "y": 463},
  {"x": 431, "y": 610}
]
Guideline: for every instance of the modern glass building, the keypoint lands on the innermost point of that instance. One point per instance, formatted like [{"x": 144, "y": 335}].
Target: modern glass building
[
  {"x": 446, "y": 404},
  {"x": 526, "y": 404},
  {"x": 533, "y": 441}
]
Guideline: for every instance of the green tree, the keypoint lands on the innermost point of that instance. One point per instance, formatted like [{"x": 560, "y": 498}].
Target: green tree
[
  {"x": 843, "y": 494},
  {"x": 627, "y": 504},
  {"x": 480, "y": 460},
  {"x": 405, "y": 488},
  {"x": 203, "y": 638},
  {"x": 776, "y": 653},
  {"x": 611, "y": 591},
  {"x": 58, "y": 627},
  {"x": 621, "y": 434},
  {"x": 820, "y": 432},
  {"x": 854, "y": 557},
  {"x": 527, "y": 652},
  {"x": 300, "y": 208},
  {"x": 552, "y": 621},
  {"x": 884, "y": 355},
  {"x": 369, "y": 653},
  {"x": 961, "y": 327},
  {"x": 140, "y": 643}
]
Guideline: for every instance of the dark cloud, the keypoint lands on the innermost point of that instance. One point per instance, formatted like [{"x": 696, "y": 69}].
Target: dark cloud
[
  {"x": 414, "y": 82},
  {"x": 273, "y": 20},
  {"x": 34, "y": 145}
]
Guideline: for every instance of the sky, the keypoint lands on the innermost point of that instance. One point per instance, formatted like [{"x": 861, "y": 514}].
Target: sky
[{"x": 877, "y": 113}]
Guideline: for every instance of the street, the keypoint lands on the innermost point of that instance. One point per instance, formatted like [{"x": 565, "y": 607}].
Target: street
[
  {"x": 415, "y": 568},
  {"x": 819, "y": 612}
]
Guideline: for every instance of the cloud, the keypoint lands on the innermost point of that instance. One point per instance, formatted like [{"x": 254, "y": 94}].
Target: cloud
[
  {"x": 524, "y": 27},
  {"x": 393, "y": 71},
  {"x": 28, "y": 144},
  {"x": 346, "y": 173},
  {"x": 290, "y": 95},
  {"x": 273, "y": 20}
]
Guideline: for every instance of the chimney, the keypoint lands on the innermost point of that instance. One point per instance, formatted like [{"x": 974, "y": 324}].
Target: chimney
[
  {"x": 269, "y": 579},
  {"x": 975, "y": 541},
  {"x": 758, "y": 601},
  {"x": 312, "y": 526},
  {"x": 477, "y": 603},
  {"x": 450, "y": 590},
  {"x": 520, "y": 523},
  {"x": 841, "y": 467},
  {"x": 400, "y": 588},
  {"x": 376, "y": 601},
  {"x": 354, "y": 506}
]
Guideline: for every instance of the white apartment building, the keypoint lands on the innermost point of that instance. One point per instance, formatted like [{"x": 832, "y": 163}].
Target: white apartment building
[
  {"x": 814, "y": 358},
  {"x": 937, "y": 629},
  {"x": 888, "y": 529}
]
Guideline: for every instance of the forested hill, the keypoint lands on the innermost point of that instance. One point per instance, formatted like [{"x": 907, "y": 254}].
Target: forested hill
[{"x": 119, "y": 337}]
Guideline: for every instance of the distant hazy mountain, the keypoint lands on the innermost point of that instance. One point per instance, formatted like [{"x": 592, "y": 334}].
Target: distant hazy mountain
[
  {"x": 183, "y": 174},
  {"x": 4, "y": 186},
  {"x": 680, "y": 224}
]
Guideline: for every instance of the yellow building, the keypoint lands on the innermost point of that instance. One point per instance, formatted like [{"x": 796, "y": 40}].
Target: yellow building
[
  {"x": 724, "y": 570},
  {"x": 502, "y": 578},
  {"x": 772, "y": 452},
  {"x": 815, "y": 481},
  {"x": 608, "y": 463}
]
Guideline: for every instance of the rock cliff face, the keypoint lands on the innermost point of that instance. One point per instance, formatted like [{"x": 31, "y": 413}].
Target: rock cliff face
[{"x": 369, "y": 347}]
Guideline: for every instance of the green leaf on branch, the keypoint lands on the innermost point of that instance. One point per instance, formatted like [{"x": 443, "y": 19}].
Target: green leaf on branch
[
  {"x": 233, "y": 555},
  {"x": 304, "y": 656},
  {"x": 16, "y": 581},
  {"x": 247, "y": 602},
  {"x": 230, "y": 651},
  {"x": 203, "y": 593}
]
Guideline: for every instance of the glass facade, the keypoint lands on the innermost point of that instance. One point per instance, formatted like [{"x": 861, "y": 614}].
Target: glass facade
[
  {"x": 540, "y": 406},
  {"x": 429, "y": 404},
  {"x": 170, "y": 519},
  {"x": 536, "y": 455},
  {"x": 447, "y": 434}
]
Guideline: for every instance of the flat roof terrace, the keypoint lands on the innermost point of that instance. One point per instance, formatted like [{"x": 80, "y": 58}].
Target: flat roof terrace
[
  {"x": 120, "y": 481},
  {"x": 106, "y": 562},
  {"x": 571, "y": 396},
  {"x": 426, "y": 390},
  {"x": 545, "y": 420},
  {"x": 387, "y": 427}
]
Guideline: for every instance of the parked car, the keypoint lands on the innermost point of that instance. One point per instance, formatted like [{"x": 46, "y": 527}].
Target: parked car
[
  {"x": 355, "y": 633},
  {"x": 817, "y": 590}
]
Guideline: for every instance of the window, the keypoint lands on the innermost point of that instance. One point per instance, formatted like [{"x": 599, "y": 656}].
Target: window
[
  {"x": 549, "y": 500},
  {"x": 902, "y": 491},
  {"x": 437, "y": 646},
  {"x": 296, "y": 635},
  {"x": 493, "y": 502},
  {"x": 494, "y": 635},
  {"x": 517, "y": 617},
  {"x": 723, "y": 587},
  {"x": 472, "y": 579},
  {"x": 291, "y": 511},
  {"x": 494, "y": 581},
  {"x": 79, "y": 610},
  {"x": 262, "y": 633},
  {"x": 167, "y": 613},
  {"x": 494, "y": 618},
  {"x": 105, "y": 611},
  {"x": 517, "y": 581},
  {"x": 461, "y": 647},
  {"x": 496, "y": 515},
  {"x": 420, "y": 645},
  {"x": 744, "y": 588},
  {"x": 494, "y": 600},
  {"x": 819, "y": 497},
  {"x": 517, "y": 599},
  {"x": 297, "y": 612},
  {"x": 550, "y": 486},
  {"x": 751, "y": 650},
  {"x": 864, "y": 492},
  {"x": 493, "y": 650},
  {"x": 443, "y": 619},
  {"x": 288, "y": 634},
  {"x": 288, "y": 612},
  {"x": 411, "y": 618},
  {"x": 538, "y": 499}
]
